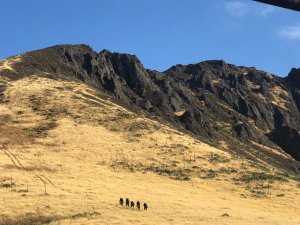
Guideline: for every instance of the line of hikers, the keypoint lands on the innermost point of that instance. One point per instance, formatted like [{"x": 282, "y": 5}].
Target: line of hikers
[{"x": 138, "y": 204}]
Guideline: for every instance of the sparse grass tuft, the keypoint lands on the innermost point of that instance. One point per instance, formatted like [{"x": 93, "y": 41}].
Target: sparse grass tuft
[
  {"x": 139, "y": 126},
  {"x": 258, "y": 166},
  {"x": 177, "y": 174},
  {"x": 41, "y": 130},
  {"x": 227, "y": 170},
  {"x": 29, "y": 219},
  {"x": 260, "y": 177},
  {"x": 260, "y": 190},
  {"x": 173, "y": 173},
  {"x": 37, "y": 219},
  {"x": 124, "y": 115},
  {"x": 215, "y": 158},
  {"x": 209, "y": 174}
]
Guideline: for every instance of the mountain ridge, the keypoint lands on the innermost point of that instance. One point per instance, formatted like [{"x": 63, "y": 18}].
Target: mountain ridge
[{"x": 216, "y": 101}]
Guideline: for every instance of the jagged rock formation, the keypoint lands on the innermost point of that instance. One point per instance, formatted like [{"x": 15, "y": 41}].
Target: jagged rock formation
[{"x": 213, "y": 100}]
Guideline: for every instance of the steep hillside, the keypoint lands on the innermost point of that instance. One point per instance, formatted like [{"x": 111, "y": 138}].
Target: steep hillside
[
  {"x": 248, "y": 109},
  {"x": 68, "y": 153}
]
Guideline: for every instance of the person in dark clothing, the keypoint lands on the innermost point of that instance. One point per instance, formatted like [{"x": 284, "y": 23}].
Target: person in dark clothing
[
  {"x": 121, "y": 201},
  {"x": 145, "y": 206},
  {"x": 138, "y": 204},
  {"x": 127, "y": 201},
  {"x": 132, "y": 204}
]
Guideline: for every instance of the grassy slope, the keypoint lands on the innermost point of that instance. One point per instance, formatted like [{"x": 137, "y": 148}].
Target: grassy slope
[{"x": 87, "y": 152}]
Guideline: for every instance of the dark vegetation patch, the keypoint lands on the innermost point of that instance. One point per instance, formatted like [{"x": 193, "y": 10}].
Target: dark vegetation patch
[
  {"x": 38, "y": 219},
  {"x": 227, "y": 170},
  {"x": 203, "y": 173},
  {"x": 259, "y": 185},
  {"x": 258, "y": 193},
  {"x": 252, "y": 177},
  {"x": 2, "y": 95},
  {"x": 177, "y": 174},
  {"x": 15, "y": 135},
  {"x": 39, "y": 103},
  {"x": 125, "y": 115},
  {"x": 20, "y": 112},
  {"x": 208, "y": 174},
  {"x": 260, "y": 190},
  {"x": 258, "y": 166},
  {"x": 41, "y": 130},
  {"x": 173, "y": 173},
  {"x": 84, "y": 214},
  {"x": 36, "y": 103},
  {"x": 4, "y": 119},
  {"x": 215, "y": 158},
  {"x": 29, "y": 219},
  {"x": 173, "y": 170},
  {"x": 39, "y": 168},
  {"x": 6, "y": 185},
  {"x": 138, "y": 126},
  {"x": 5, "y": 182},
  {"x": 51, "y": 114}
]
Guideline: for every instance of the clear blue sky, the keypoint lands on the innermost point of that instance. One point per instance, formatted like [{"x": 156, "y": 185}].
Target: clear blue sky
[{"x": 161, "y": 33}]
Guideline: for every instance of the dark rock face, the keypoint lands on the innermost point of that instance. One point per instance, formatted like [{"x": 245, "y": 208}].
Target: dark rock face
[
  {"x": 283, "y": 136},
  {"x": 293, "y": 81},
  {"x": 220, "y": 101}
]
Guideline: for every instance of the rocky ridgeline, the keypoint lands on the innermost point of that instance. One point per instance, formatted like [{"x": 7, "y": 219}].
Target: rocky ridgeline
[{"x": 213, "y": 100}]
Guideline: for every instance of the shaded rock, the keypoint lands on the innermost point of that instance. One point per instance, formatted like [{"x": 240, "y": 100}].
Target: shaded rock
[{"x": 288, "y": 139}]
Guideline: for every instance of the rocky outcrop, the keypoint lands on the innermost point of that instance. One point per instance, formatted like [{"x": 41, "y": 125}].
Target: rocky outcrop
[
  {"x": 221, "y": 102},
  {"x": 284, "y": 136}
]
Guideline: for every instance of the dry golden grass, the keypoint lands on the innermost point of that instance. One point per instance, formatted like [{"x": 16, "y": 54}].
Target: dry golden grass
[
  {"x": 85, "y": 152},
  {"x": 277, "y": 151},
  {"x": 253, "y": 85},
  {"x": 216, "y": 82},
  {"x": 224, "y": 144},
  {"x": 279, "y": 95},
  {"x": 243, "y": 70},
  {"x": 7, "y": 63},
  {"x": 252, "y": 123},
  {"x": 180, "y": 113},
  {"x": 270, "y": 76},
  {"x": 259, "y": 95}
]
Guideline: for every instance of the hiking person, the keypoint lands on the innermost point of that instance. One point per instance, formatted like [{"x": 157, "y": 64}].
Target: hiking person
[
  {"x": 121, "y": 201},
  {"x": 138, "y": 204},
  {"x": 132, "y": 204},
  {"x": 127, "y": 201},
  {"x": 145, "y": 206}
]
